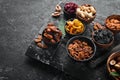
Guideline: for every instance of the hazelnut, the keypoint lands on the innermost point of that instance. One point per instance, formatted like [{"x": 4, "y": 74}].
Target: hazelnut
[{"x": 112, "y": 62}]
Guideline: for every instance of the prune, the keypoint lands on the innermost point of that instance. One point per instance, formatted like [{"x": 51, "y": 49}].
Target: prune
[{"x": 103, "y": 36}]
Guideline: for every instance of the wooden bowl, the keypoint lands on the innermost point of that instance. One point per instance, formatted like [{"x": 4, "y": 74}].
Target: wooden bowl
[
  {"x": 108, "y": 24},
  {"x": 86, "y": 20},
  {"x": 102, "y": 45},
  {"x": 112, "y": 56}
]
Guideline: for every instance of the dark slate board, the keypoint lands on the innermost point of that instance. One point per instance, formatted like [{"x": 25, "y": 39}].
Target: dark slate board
[{"x": 58, "y": 58}]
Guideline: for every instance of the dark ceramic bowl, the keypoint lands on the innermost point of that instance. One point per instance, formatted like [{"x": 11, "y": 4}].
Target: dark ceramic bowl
[
  {"x": 68, "y": 15},
  {"x": 111, "y": 57},
  {"x": 71, "y": 35},
  {"x": 105, "y": 46},
  {"x": 67, "y": 10},
  {"x": 47, "y": 42},
  {"x": 87, "y": 40}
]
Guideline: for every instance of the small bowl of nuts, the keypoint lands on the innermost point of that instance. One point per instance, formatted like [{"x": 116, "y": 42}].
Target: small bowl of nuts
[
  {"x": 70, "y": 10},
  {"x": 113, "y": 65},
  {"x": 113, "y": 23},
  {"x": 86, "y": 13},
  {"x": 81, "y": 48},
  {"x": 104, "y": 38},
  {"x": 74, "y": 27},
  {"x": 51, "y": 34}
]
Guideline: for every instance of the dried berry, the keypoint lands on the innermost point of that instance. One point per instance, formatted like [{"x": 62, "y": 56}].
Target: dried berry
[
  {"x": 103, "y": 36},
  {"x": 70, "y": 7}
]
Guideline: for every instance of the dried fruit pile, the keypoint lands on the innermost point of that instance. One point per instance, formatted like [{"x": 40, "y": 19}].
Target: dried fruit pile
[
  {"x": 74, "y": 27},
  {"x": 70, "y": 7},
  {"x": 103, "y": 36},
  {"x": 80, "y": 50}
]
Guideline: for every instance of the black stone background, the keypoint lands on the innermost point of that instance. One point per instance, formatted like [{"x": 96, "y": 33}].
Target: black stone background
[{"x": 20, "y": 21}]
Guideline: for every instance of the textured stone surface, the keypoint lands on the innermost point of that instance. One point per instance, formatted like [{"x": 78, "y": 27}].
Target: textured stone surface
[{"x": 20, "y": 21}]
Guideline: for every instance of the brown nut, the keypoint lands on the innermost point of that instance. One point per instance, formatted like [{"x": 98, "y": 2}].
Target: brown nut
[
  {"x": 56, "y": 14},
  {"x": 58, "y": 8},
  {"x": 53, "y": 41},
  {"x": 48, "y": 36},
  {"x": 41, "y": 45},
  {"x": 37, "y": 40}
]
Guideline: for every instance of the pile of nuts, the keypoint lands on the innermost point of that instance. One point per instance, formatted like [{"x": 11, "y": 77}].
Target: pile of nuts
[
  {"x": 115, "y": 67},
  {"x": 80, "y": 50},
  {"x": 39, "y": 42},
  {"x": 86, "y": 12},
  {"x": 74, "y": 27},
  {"x": 98, "y": 26},
  {"x": 57, "y": 11},
  {"x": 51, "y": 34},
  {"x": 113, "y": 24}
]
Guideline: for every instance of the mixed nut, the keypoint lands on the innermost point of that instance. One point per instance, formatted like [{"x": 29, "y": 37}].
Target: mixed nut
[
  {"x": 74, "y": 27},
  {"x": 86, "y": 12},
  {"x": 113, "y": 23},
  {"x": 80, "y": 50},
  {"x": 98, "y": 26},
  {"x": 115, "y": 67},
  {"x": 51, "y": 34}
]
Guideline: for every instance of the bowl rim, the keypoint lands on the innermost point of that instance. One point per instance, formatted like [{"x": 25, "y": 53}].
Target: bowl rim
[
  {"x": 108, "y": 60},
  {"x": 74, "y": 34},
  {"x": 78, "y": 37}
]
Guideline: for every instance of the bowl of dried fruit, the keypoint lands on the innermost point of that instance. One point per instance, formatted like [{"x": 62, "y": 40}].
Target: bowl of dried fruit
[
  {"x": 74, "y": 27},
  {"x": 104, "y": 38},
  {"x": 113, "y": 65},
  {"x": 51, "y": 34},
  {"x": 70, "y": 10},
  {"x": 86, "y": 13},
  {"x": 81, "y": 48},
  {"x": 113, "y": 23}
]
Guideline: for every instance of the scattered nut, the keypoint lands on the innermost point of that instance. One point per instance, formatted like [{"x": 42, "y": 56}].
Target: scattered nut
[
  {"x": 57, "y": 11},
  {"x": 58, "y": 8},
  {"x": 39, "y": 43},
  {"x": 98, "y": 26}
]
